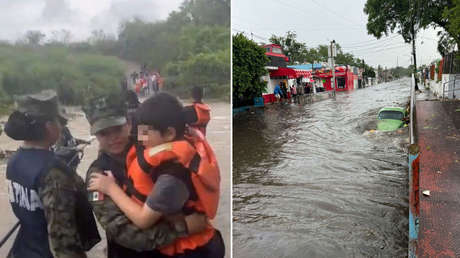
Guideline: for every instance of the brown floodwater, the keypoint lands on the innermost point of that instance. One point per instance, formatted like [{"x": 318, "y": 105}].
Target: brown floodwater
[{"x": 314, "y": 180}]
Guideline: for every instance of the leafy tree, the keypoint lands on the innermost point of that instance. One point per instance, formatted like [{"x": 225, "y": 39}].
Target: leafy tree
[
  {"x": 446, "y": 44},
  {"x": 344, "y": 58},
  {"x": 179, "y": 46},
  {"x": 34, "y": 37},
  {"x": 207, "y": 12},
  {"x": 249, "y": 60},
  {"x": 368, "y": 71},
  {"x": 407, "y": 17},
  {"x": 452, "y": 15},
  {"x": 398, "y": 72},
  {"x": 441, "y": 14},
  {"x": 296, "y": 51},
  {"x": 103, "y": 43}
]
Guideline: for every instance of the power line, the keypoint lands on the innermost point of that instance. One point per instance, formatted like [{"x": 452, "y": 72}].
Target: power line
[
  {"x": 374, "y": 47},
  {"x": 373, "y": 41},
  {"x": 377, "y": 50},
  {"x": 251, "y": 34}
]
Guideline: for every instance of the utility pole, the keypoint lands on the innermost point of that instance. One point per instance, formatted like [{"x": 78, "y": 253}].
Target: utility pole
[
  {"x": 313, "y": 84},
  {"x": 333, "y": 53}
]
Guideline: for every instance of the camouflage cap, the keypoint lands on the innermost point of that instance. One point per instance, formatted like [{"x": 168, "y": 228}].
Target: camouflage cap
[
  {"x": 105, "y": 112},
  {"x": 44, "y": 103}
]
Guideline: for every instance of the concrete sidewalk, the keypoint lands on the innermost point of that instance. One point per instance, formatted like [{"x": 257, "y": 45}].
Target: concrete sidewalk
[{"x": 437, "y": 131}]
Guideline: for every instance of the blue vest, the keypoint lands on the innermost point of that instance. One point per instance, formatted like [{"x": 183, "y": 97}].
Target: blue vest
[{"x": 23, "y": 173}]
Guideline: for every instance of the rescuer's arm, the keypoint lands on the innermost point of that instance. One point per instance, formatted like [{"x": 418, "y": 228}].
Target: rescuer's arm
[
  {"x": 168, "y": 197},
  {"x": 141, "y": 215},
  {"x": 121, "y": 230},
  {"x": 57, "y": 193}
]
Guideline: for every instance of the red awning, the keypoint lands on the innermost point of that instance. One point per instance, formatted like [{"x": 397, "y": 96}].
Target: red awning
[
  {"x": 282, "y": 71},
  {"x": 303, "y": 73}
]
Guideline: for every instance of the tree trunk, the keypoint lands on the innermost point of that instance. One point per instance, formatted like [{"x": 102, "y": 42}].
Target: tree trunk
[{"x": 415, "y": 57}]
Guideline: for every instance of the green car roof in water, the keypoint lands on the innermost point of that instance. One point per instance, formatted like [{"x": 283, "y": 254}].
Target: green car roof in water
[
  {"x": 400, "y": 109},
  {"x": 390, "y": 124}
]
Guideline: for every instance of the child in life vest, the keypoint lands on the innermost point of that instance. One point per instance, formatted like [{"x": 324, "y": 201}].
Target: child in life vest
[{"x": 175, "y": 172}]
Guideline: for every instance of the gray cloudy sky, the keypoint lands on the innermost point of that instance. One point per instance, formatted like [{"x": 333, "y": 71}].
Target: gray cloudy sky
[
  {"x": 318, "y": 22},
  {"x": 80, "y": 17}
]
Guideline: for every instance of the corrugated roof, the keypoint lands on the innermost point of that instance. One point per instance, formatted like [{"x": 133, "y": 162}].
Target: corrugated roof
[{"x": 305, "y": 66}]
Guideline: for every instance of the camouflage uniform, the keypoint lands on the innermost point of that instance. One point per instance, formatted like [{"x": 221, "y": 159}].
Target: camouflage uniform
[
  {"x": 58, "y": 195},
  {"x": 56, "y": 214},
  {"x": 103, "y": 113},
  {"x": 121, "y": 230}
]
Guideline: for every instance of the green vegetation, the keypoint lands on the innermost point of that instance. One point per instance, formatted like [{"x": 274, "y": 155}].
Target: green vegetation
[
  {"x": 408, "y": 17},
  {"x": 452, "y": 14},
  {"x": 403, "y": 16},
  {"x": 28, "y": 69},
  {"x": 399, "y": 72},
  {"x": 249, "y": 60},
  {"x": 190, "y": 48}
]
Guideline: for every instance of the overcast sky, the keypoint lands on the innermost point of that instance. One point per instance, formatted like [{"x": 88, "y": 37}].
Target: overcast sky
[
  {"x": 80, "y": 17},
  {"x": 319, "y": 22}
]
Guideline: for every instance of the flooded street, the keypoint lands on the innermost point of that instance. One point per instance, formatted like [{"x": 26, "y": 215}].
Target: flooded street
[
  {"x": 218, "y": 134},
  {"x": 312, "y": 180}
]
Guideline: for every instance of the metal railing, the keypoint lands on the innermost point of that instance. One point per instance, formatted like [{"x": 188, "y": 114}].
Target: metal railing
[
  {"x": 456, "y": 78},
  {"x": 412, "y": 107}
]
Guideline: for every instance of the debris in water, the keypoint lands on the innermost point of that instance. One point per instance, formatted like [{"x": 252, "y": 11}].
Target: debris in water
[{"x": 426, "y": 192}]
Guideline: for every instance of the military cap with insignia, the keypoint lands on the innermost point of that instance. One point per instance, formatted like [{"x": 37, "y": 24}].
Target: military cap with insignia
[{"x": 105, "y": 111}]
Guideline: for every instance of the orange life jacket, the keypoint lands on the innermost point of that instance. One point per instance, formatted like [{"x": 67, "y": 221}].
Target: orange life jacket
[
  {"x": 195, "y": 154},
  {"x": 203, "y": 114}
]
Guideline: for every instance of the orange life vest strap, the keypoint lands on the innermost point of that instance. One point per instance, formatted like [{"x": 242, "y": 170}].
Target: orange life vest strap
[
  {"x": 203, "y": 114},
  {"x": 131, "y": 191}
]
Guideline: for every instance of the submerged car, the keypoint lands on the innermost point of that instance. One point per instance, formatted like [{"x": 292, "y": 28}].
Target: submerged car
[{"x": 391, "y": 118}]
